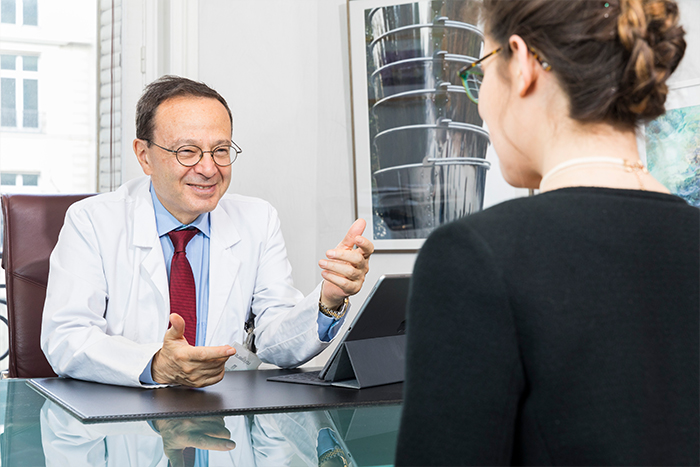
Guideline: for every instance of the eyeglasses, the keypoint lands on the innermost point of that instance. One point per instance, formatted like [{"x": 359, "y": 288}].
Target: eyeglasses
[
  {"x": 190, "y": 155},
  {"x": 473, "y": 74}
]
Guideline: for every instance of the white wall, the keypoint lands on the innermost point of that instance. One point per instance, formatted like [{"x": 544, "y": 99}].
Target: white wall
[
  {"x": 283, "y": 67},
  {"x": 689, "y": 69}
]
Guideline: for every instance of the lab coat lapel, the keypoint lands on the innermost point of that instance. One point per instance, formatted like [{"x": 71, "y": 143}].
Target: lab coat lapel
[
  {"x": 145, "y": 237},
  {"x": 223, "y": 267}
]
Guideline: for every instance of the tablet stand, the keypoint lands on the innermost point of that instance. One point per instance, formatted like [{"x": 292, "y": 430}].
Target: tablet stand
[{"x": 369, "y": 362}]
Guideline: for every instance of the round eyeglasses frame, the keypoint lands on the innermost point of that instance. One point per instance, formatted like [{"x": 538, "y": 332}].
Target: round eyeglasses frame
[
  {"x": 236, "y": 149},
  {"x": 471, "y": 75}
]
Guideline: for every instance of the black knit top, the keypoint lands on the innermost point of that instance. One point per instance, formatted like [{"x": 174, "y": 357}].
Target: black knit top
[{"x": 560, "y": 329}]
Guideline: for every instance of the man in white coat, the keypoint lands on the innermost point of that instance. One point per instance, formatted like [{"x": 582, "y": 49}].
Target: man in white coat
[{"x": 107, "y": 315}]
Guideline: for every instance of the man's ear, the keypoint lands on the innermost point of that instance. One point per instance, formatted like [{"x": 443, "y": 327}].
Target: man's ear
[
  {"x": 141, "y": 151},
  {"x": 524, "y": 65}
]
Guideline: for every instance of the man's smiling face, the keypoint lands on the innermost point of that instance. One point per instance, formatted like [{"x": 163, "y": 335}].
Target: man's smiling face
[{"x": 187, "y": 192}]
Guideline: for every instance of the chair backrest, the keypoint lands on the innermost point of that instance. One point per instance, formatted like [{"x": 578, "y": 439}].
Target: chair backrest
[{"x": 31, "y": 227}]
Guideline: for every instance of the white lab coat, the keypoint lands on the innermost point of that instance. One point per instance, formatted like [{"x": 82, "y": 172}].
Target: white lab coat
[{"x": 107, "y": 302}]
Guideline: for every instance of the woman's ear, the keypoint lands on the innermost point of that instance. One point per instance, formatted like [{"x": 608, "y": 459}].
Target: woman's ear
[{"x": 524, "y": 65}]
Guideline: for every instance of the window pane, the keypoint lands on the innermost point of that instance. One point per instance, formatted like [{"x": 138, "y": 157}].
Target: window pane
[
  {"x": 29, "y": 13},
  {"x": 31, "y": 104},
  {"x": 30, "y": 63},
  {"x": 8, "y": 104},
  {"x": 7, "y": 62},
  {"x": 8, "y": 12},
  {"x": 30, "y": 179},
  {"x": 63, "y": 124},
  {"x": 8, "y": 179}
]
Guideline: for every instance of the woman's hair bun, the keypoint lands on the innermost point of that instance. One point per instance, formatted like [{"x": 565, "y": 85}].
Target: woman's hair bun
[{"x": 649, "y": 31}]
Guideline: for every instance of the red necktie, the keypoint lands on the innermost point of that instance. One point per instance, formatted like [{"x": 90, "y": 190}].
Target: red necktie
[
  {"x": 188, "y": 456},
  {"x": 183, "y": 300}
]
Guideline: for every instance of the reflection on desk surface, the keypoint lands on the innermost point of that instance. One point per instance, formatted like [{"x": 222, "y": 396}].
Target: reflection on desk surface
[{"x": 38, "y": 432}]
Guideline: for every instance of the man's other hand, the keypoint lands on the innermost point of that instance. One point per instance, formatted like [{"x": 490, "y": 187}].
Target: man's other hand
[
  {"x": 177, "y": 362},
  {"x": 346, "y": 267},
  {"x": 208, "y": 433}
]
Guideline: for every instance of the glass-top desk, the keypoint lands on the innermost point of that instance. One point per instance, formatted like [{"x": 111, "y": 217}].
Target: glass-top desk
[{"x": 38, "y": 432}]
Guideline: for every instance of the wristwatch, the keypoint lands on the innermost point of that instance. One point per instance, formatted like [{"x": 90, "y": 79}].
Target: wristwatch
[
  {"x": 336, "y": 453},
  {"x": 335, "y": 314}
]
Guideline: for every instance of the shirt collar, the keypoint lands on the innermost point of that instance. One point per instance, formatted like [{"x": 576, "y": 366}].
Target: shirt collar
[{"x": 165, "y": 222}]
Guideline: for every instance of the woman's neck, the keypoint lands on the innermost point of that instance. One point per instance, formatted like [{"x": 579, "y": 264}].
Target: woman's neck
[{"x": 600, "y": 155}]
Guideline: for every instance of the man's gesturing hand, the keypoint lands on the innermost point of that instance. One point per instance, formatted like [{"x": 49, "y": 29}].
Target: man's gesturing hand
[
  {"x": 177, "y": 362},
  {"x": 346, "y": 267}
]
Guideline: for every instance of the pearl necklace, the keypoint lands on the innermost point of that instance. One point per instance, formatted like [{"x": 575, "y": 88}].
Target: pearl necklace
[{"x": 632, "y": 167}]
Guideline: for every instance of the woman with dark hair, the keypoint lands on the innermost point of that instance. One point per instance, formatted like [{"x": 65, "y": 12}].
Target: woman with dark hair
[{"x": 562, "y": 329}]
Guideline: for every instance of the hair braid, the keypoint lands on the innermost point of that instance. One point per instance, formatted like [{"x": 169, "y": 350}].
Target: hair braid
[{"x": 642, "y": 27}]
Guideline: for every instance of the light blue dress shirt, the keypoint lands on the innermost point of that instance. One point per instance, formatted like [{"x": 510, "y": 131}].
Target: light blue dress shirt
[{"x": 197, "y": 252}]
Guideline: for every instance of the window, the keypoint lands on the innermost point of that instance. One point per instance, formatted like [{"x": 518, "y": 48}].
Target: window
[
  {"x": 24, "y": 12},
  {"x": 29, "y": 12},
  {"x": 19, "y": 91},
  {"x": 8, "y": 103},
  {"x": 8, "y": 11},
  {"x": 18, "y": 179},
  {"x": 48, "y": 96}
]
